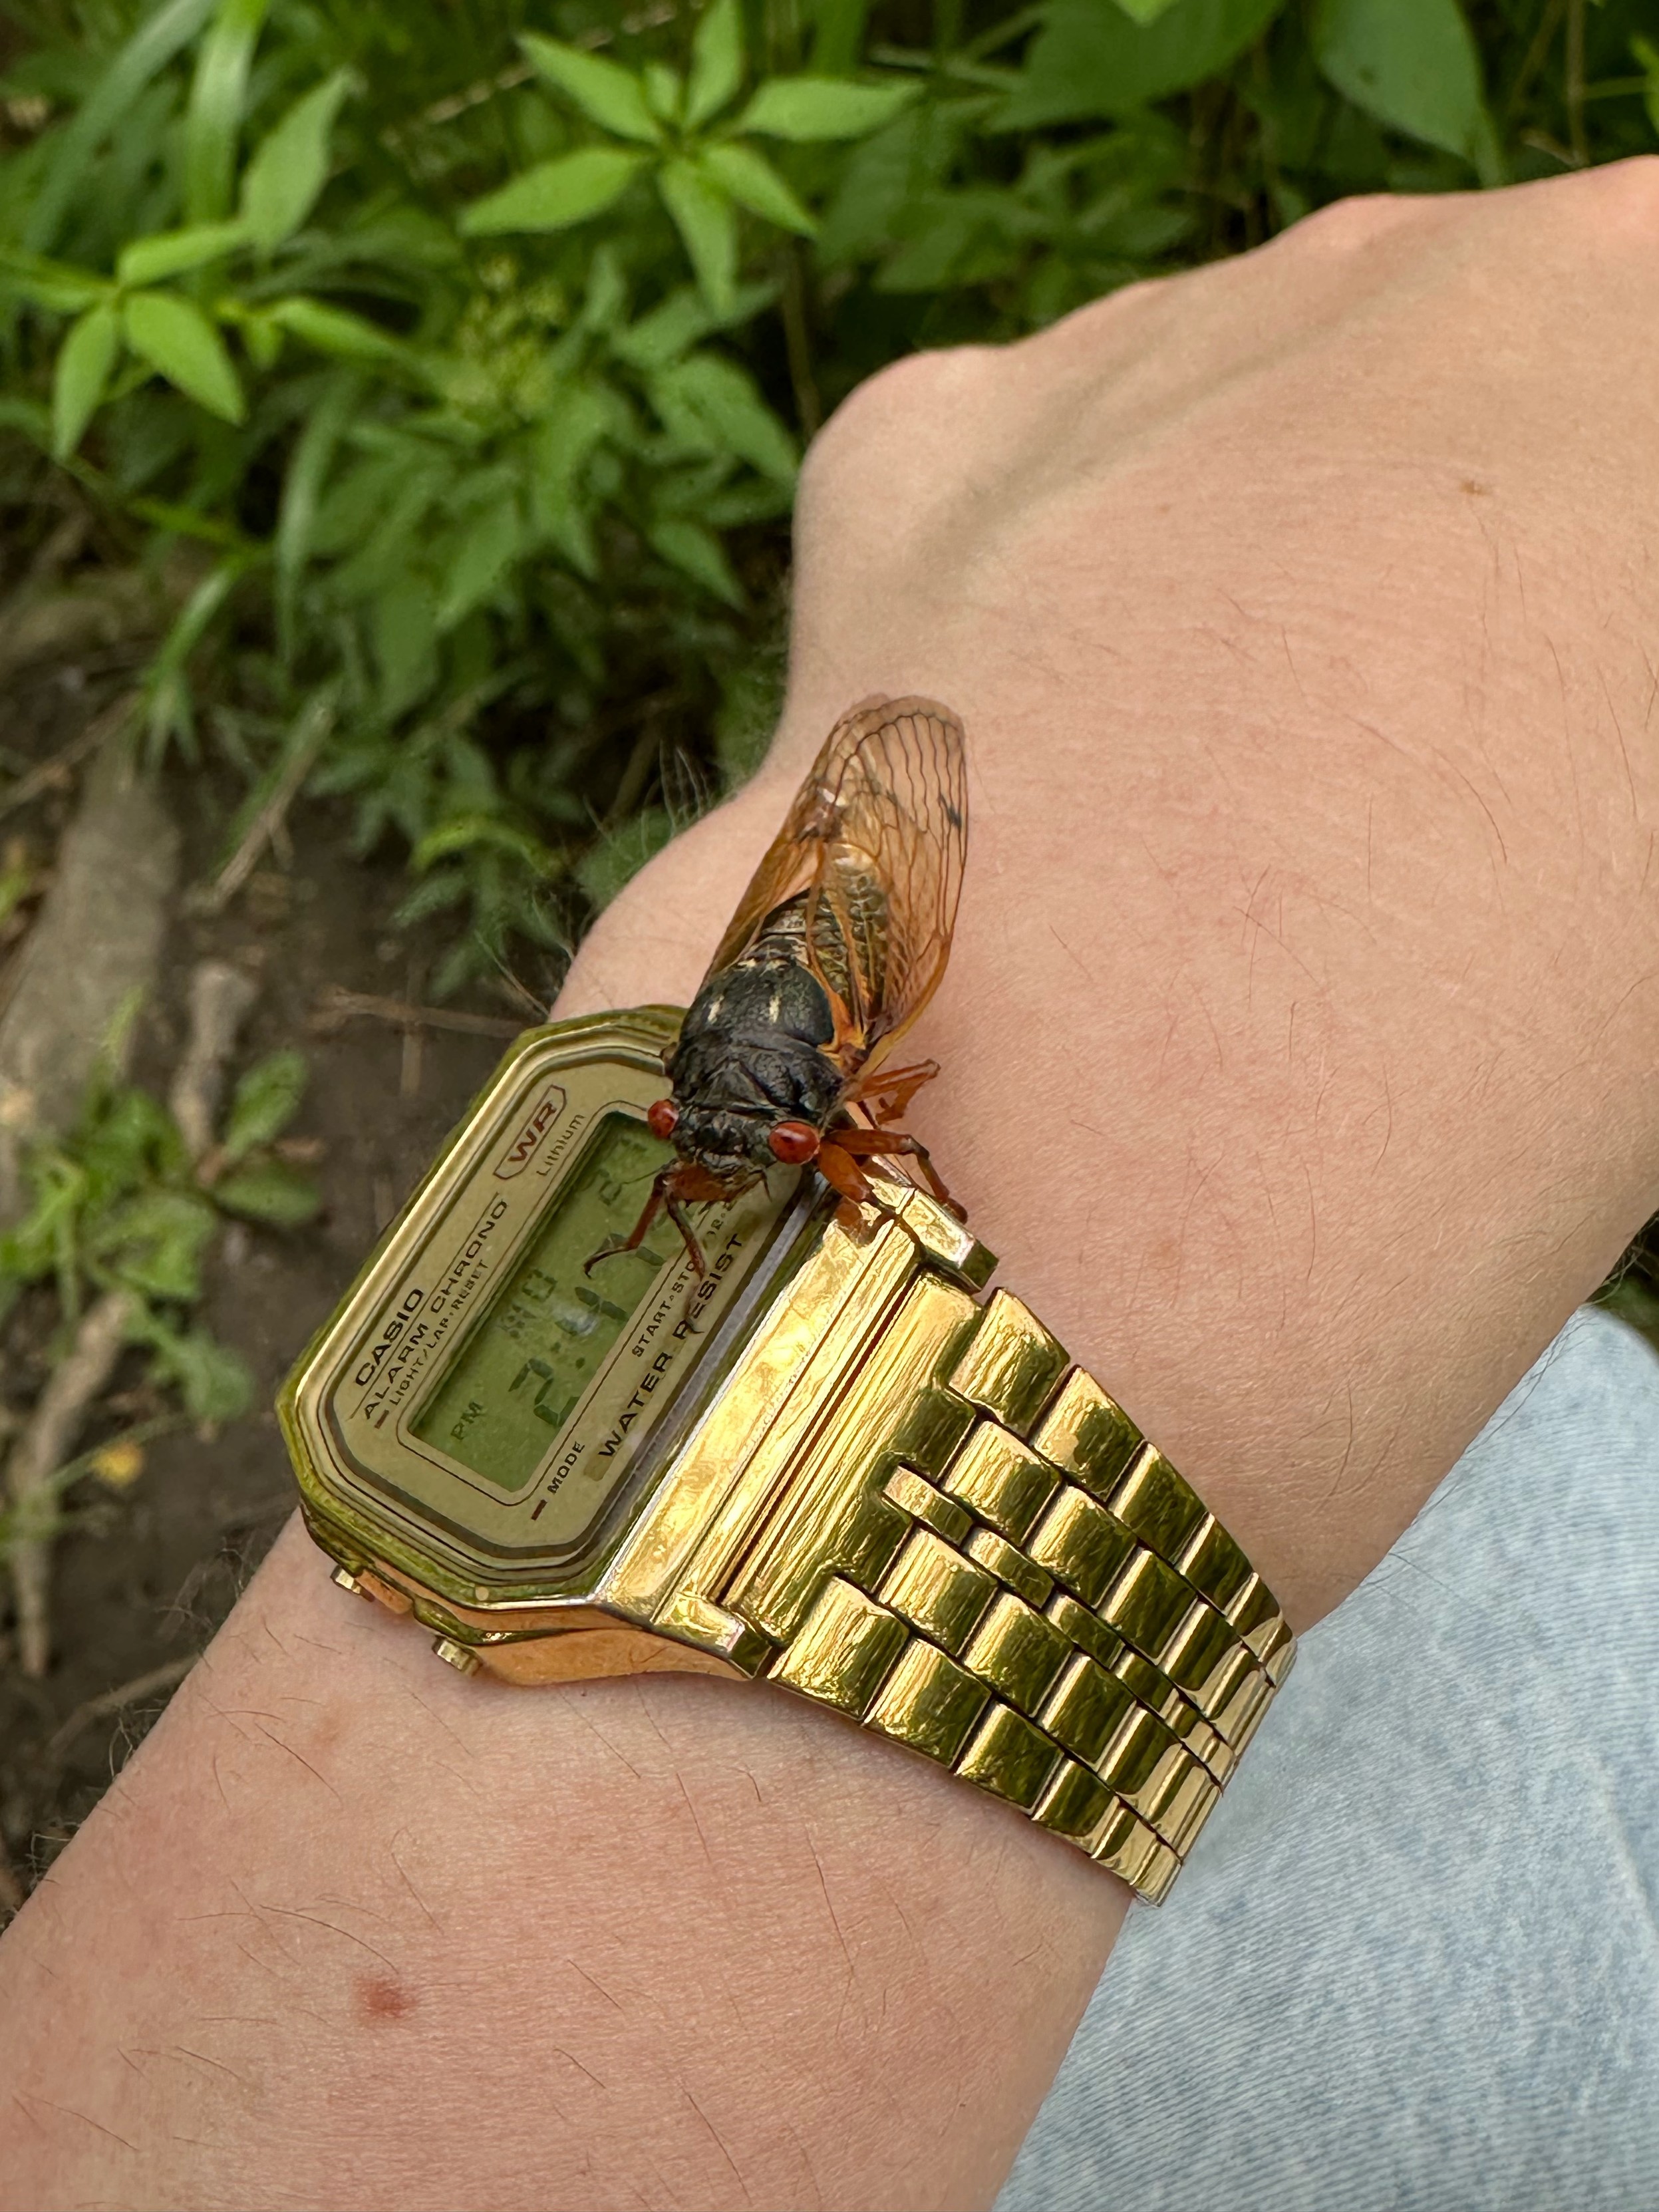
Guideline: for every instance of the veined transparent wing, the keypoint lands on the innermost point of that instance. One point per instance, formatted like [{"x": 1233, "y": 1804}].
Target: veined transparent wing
[{"x": 872, "y": 849}]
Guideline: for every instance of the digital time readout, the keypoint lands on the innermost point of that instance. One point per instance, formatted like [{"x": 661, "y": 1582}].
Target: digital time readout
[{"x": 522, "y": 1369}]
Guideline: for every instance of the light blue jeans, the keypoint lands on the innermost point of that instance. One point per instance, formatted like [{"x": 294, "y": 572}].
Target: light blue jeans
[{"x": 1413, "y": 1964}]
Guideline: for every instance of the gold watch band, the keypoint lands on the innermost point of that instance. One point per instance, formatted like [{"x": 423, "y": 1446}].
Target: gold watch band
[{"x": 910, "y": 1506}]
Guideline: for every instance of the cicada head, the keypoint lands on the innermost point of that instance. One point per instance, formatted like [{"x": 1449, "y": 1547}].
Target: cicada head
[{"x": 731, "y": 1148}]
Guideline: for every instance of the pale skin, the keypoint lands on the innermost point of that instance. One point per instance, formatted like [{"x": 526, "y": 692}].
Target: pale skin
[{"x": 1298, "y": 1052}]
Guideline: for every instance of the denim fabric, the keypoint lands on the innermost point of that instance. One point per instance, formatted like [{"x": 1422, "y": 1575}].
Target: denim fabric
[{"x": 1413, "y": 1964}]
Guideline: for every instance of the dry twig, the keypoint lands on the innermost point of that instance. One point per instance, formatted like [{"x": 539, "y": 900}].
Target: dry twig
[
  {"x": 220, "y": 997},
  {"x": 337, "y": 1006},
  {"x": 47, "y": 1440},
  {"x": 268, "y": 825},
  {"x": 50, "y": 774},
  {"x": 152, "y": 1685},
  {"x": 414, "y": 1053}
]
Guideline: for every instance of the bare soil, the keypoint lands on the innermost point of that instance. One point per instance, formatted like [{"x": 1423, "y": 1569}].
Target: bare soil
[{"x": 146, "y": 1575}]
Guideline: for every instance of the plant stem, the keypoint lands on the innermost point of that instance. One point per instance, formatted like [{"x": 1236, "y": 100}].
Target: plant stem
[
  {"x": 808, "y": 405},
  {"x": 1533, "y": 60},
  {"x": 1575, "y": 86},
  {"x": 39, "y": 1454}
]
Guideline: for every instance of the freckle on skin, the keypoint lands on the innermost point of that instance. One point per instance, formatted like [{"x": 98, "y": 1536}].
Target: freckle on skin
[{"x": 383, "y": 1996}]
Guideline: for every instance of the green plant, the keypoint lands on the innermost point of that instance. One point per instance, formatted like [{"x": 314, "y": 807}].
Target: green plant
[
  {"x": 117, "y": 1204},
  {"x": 1632, "y": 1290},
  {"x": 469, "y": 353}
]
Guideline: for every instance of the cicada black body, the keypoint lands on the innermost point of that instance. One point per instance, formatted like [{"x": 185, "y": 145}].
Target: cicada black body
[{"x": 838, "y": 943}]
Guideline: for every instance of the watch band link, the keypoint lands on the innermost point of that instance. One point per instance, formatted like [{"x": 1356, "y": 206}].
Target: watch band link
[{"x": 976, "y": 1552}]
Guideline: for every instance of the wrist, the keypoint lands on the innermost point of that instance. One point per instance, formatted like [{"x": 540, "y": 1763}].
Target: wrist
[{"x": 1301, "y": 1112}]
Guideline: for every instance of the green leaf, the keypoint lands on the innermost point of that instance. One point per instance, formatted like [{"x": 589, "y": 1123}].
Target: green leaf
[
  {"x": 696, "y": 552},
  {"x": 1090, "y": 59},
  {"x": 749, "y": 178},
  {"x": 45, "y": 1238},
  {"x": 561, "y": 447},
  {"x": 218, "y": 94},
  {"x": 147, "y": 51},
  {"x": 212, "y": 1379},
  {"x": 726, "y": 403},
  {"x": 678, "y": 322},
  {"x": 605, "y": 301},
  {"x": 607, "y": 94},
  {"x": 287, "y": 764},
  {"x": 28, "y": 420},
  {"x": 84, "y": 362},
  {"x": 265, "y": 1101},
  {"x": 155, "y": 1243},
  {"x": 198, "y": 611},
  {"x": 178, "y": 340},
  {"x": 280, "y": 183},
  {"x": 335, "y": 331},
  {"x": 811, "y": 108},
  {"x": 1412, "y": 64},
  {"x": 955, "y": 238},
  {"x": 170, "y": 252},
  {"x": 169, "y": 708},
  {"x": 1144, "y": 11},
  {"x": 487, "y": 551},
  {"x": 1646, "y": 57},
  {"x": 465, "y": 833},
  {"x": 262, "y": 339},
  {"x": 269, "y": 1191},
  {"x": 750, "y": 710},
  {"x": 402, "y": 630},
  {"x": 57, "y": 285},
  {"x": 877, "y": 185},
  {"x": 664, "y": 92},
  {"x": 555, "y": 194},
  {"x": 707, "y": 227},
  {"x": 124, "y": 1140},
  {"x": 302, "y": 486},
  {"x": 716, "y": 63},
  {"x": 381, "y": 541},
  {"x": 838, "y": 36}
]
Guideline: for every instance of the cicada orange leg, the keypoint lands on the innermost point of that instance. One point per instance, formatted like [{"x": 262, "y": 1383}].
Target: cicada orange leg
[
  {"x": 679, "y": 1184},
  {"x": 874, "y": 1143},
  {"x": 838, "y": 1163},
  {"x": 886, "y": 1093}
]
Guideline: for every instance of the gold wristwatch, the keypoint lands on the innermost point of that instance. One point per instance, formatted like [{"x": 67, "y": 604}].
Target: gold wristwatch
[{"x": 826, "y": 1459}]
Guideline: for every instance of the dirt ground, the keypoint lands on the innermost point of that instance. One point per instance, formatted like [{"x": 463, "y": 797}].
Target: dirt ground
[{"x": 145, "y": 1577}]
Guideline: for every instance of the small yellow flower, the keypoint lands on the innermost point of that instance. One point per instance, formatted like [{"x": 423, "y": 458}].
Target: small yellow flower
[{"x": 119, "y": 1464}]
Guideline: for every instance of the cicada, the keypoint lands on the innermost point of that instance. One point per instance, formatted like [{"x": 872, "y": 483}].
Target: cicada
[{"x": 838, "y": 943}]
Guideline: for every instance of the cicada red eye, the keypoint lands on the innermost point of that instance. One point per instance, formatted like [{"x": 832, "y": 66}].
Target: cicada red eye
[
  {"x": 794, "y": 1143},
  {"x": 663, "y": 1119}
]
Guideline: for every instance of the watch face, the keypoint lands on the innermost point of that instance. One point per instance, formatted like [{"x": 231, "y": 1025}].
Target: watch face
[
  {"x": 500, "y": 1403},
  {"x": 483, "y": 1406}
]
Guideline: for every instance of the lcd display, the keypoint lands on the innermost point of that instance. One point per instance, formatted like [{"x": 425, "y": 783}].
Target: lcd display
[{"x": 521, "y": 1372}]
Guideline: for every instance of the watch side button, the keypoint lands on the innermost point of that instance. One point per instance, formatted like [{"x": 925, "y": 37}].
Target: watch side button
[
  {"x": 461, "y": 1656},
  {"x": 348, "y": 1581}
]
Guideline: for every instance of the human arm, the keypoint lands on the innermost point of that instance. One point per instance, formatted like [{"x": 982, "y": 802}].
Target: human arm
[{"x": 1296, "y": 1049}]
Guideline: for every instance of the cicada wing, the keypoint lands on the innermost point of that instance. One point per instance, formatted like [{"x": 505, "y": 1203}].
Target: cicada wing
[
  {"x": 875, "y": 842},
  {"x": 791, "y": 862},
  {"x": 882, "y": 910}
]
